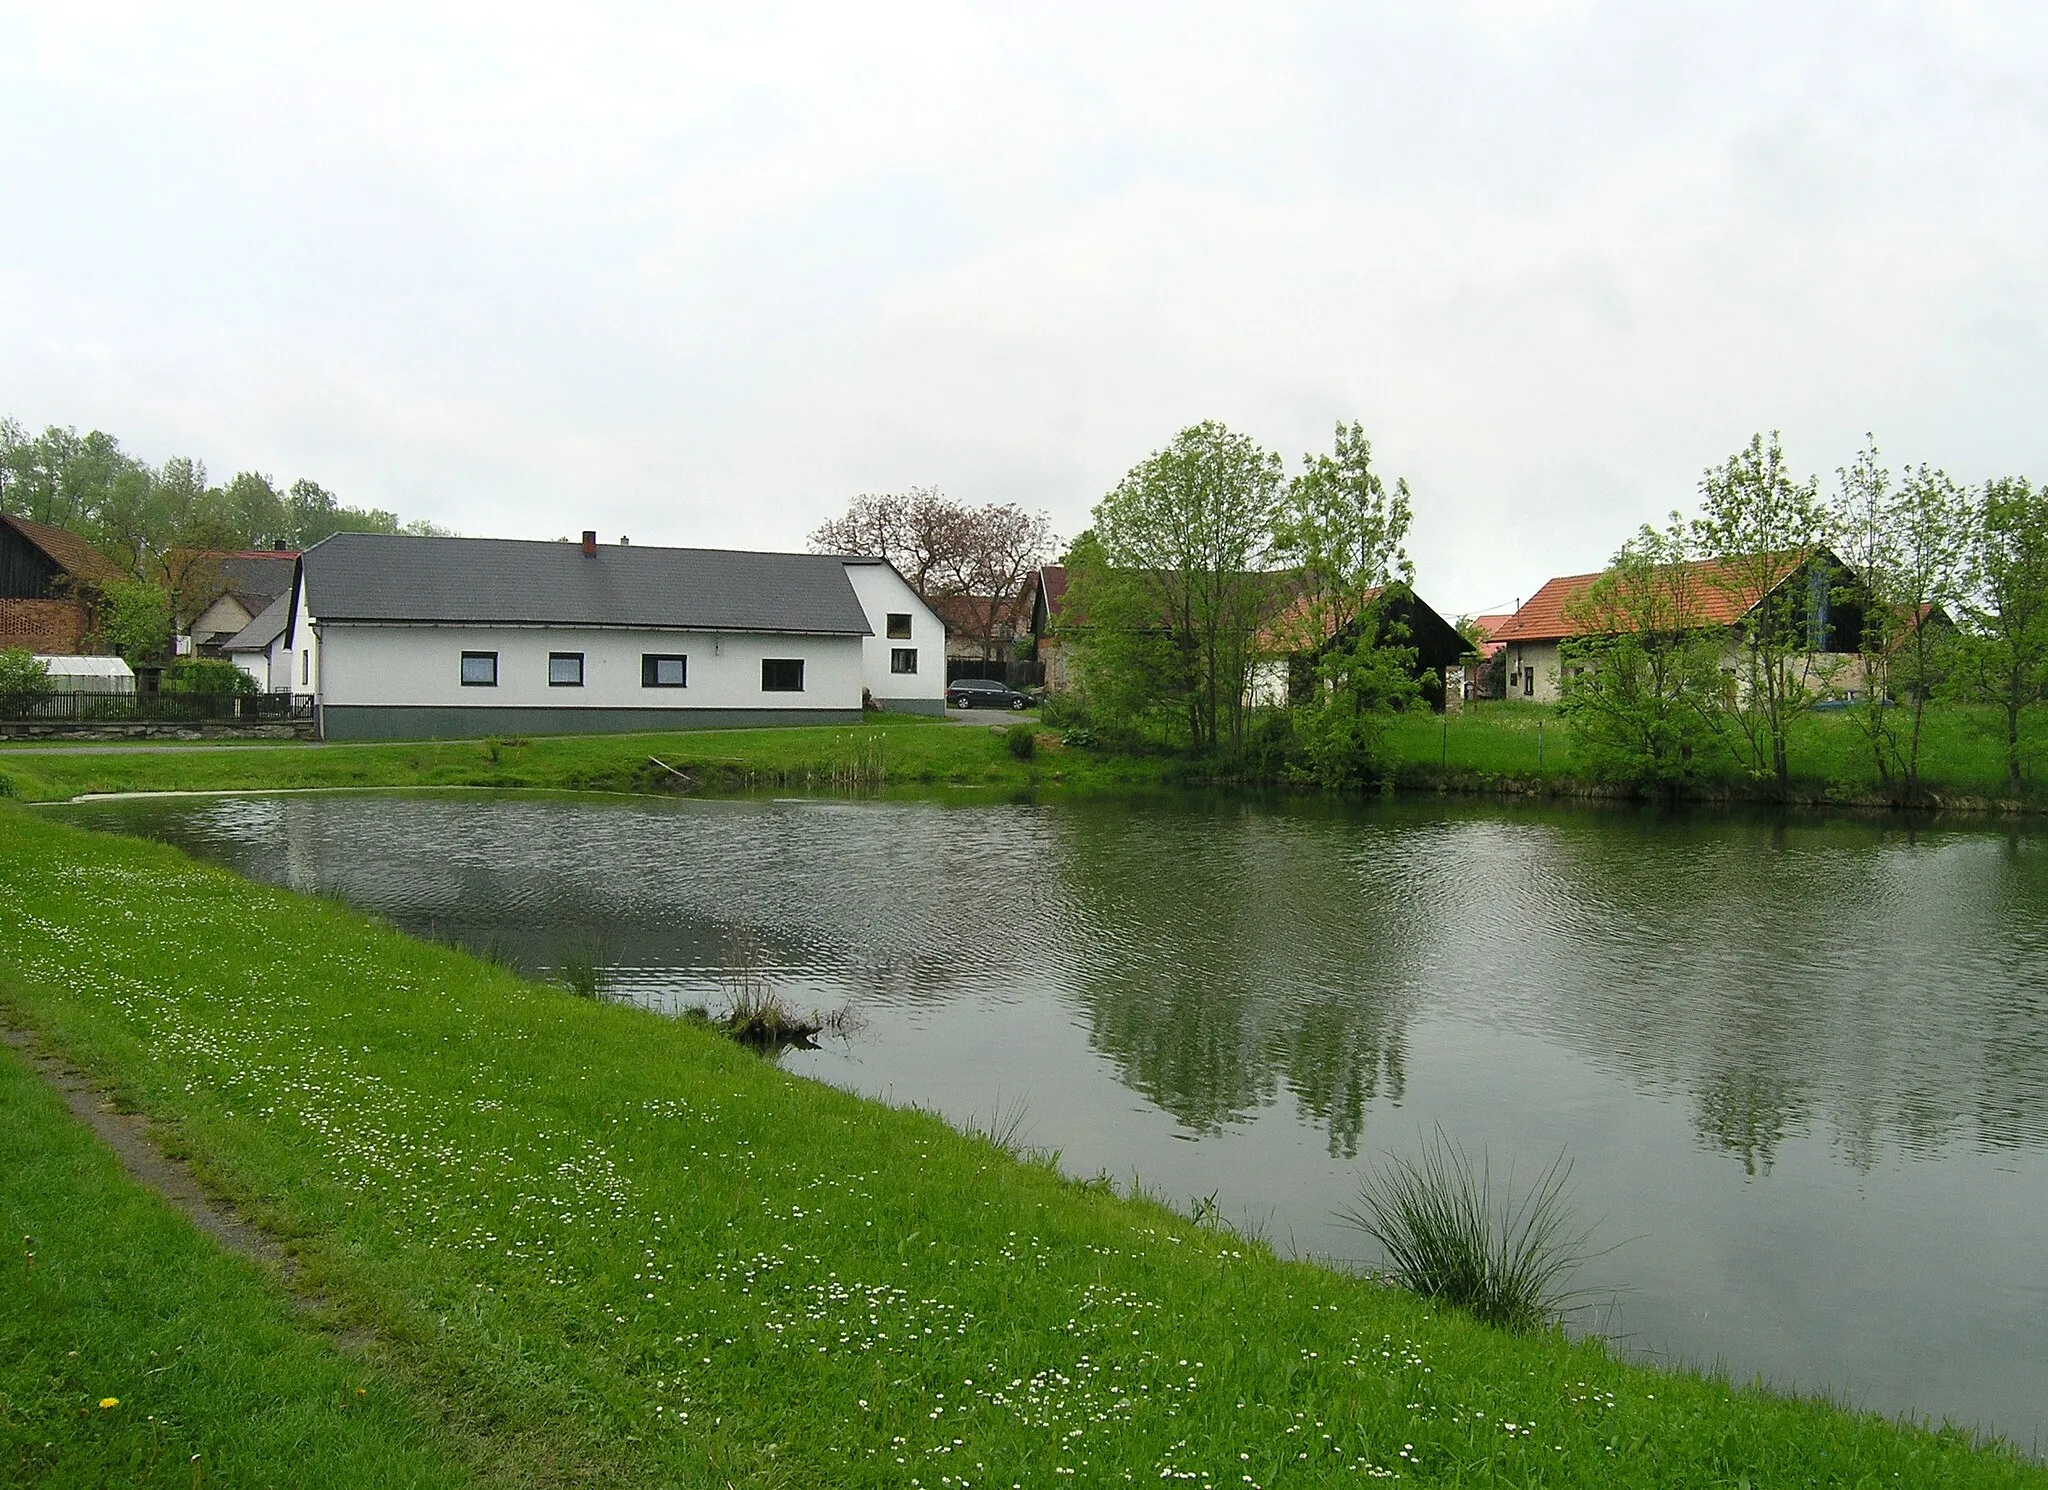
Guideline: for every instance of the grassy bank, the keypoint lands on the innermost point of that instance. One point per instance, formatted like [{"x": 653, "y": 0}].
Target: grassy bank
[
  {"x": 892, "y": 750},
  {"x": 135, "y": 1352},
  {"x": 1487, "y": 748},
  {"x": 649, "y": 1257},
  {"x": 1530, "y": 747}
]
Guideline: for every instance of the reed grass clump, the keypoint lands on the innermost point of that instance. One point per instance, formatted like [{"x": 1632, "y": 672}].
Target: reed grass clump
[
  {"x": 1446, "y": 1237},
  {"x": 585, "y": 967}
]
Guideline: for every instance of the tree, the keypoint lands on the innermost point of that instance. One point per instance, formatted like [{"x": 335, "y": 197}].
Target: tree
[
  {"x": 2004, "y": 647},
  {"x": 1343, "y": 535},
  {"x": 1642, "y": 679},
  {"x": 921, "y": 531},
  {"x": 1184, "y": 541},
  {"x": 135, "y": 619},
  {"x": 999, "y": 547},
  {"x": 24, "y": 682},
  {"x": 1906, "y": 543},
  {"x": 1340, "y": 538},
  {"x": 1758, "y": 526}
]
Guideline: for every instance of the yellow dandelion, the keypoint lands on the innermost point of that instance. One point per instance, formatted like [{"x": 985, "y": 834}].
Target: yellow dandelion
[{"x": 110, "y": 1402}]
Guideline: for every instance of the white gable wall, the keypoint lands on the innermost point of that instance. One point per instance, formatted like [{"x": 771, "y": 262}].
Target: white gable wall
[{"x": 882, "y": 591}]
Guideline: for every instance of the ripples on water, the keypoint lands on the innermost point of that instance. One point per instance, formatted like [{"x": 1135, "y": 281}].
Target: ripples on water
[{"x": 1756, "y": 1036}]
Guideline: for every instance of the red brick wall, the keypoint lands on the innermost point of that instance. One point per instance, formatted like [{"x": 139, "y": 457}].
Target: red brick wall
[{"x": 50, "y": 626}]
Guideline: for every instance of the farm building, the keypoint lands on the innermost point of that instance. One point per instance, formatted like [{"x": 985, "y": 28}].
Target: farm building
[
  {"x": 1824, "y": 592},
  {"x": 402, "y": 637},
  {"x": 49, "y": 587}
]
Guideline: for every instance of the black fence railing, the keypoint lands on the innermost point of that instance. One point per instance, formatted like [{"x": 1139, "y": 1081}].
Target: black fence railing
[{"x": 166, "y": 706}]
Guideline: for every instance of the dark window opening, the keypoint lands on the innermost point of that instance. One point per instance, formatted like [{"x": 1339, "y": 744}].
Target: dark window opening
[
  {"x": 565, "y": 669},
  {"x": 479, "y": 669},
  {"x": 657, "y": 671},
  {"x": 782, "y": 675},
  {"x": 903, "y": 659},
  {"x": 899, "y": 625}
]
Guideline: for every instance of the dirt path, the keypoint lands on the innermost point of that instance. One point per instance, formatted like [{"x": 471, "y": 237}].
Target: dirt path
[{"x": 129, "y": 1136}]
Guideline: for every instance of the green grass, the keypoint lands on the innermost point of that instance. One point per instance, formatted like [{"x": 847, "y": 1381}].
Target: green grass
[
  {"x": 892, "y": 750},
  {"x": 200, "y": 1354},
  {"x": 1530, "y": 746},
  {"x": 652, "y": 1258}
]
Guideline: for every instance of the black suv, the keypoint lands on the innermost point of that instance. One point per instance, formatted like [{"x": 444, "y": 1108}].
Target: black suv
[{"x": 985, "y": 693}]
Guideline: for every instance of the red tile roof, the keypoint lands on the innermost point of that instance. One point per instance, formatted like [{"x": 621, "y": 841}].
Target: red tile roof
[{"x": 1721, "y": 597}]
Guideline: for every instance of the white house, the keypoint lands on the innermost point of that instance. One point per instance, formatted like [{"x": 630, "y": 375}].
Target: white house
[
  {"x": 401, "y": 637},
  {"x": 258, "y": 648}
]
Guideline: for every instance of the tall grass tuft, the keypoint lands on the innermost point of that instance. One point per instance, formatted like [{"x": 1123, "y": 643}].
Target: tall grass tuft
[
  {"x": 585, "y": 967},
  {"x": 1446, "y": 1238}
]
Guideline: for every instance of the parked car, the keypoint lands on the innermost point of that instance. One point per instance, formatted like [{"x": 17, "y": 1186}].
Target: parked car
[{"x": 985, "y": 693}]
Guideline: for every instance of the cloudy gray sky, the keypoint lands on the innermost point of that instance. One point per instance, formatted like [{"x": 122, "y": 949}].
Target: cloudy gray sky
[{"x": 701, "y": 274}]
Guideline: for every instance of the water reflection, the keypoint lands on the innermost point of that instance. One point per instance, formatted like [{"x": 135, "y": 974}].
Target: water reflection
[{"x": 1806, "y": 1060}]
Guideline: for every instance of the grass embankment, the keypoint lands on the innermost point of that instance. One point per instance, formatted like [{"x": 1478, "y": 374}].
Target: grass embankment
[
  {"x": 891, "y": 750},
  {"x": 1525, "y": 747},
  {"x": 133, "y": 1351},
  {"x": 648, "y": 1257}
]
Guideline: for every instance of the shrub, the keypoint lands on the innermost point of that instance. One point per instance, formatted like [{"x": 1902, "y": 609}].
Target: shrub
[
  {"x": 210, "y": 675},
  {"x": 1445, "y": 1238},
  {"x": 24, "y": 682},
  {"x": 1022, "y": 740}
]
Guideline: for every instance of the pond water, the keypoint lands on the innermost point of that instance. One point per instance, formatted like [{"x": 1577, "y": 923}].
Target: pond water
[{"x": 1800, "y": 1067}]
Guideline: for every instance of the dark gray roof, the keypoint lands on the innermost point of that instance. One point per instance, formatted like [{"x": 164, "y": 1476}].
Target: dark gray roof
[
  {"x": 266, "y": 627},
  {"x": 380, "y": 577},
  {"x": 258, "y": 577}
]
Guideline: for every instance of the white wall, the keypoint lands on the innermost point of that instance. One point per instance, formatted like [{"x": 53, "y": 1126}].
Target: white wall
[
  {"x": 295, "y": 655},
  {"x": 256, "y": 665},
  {"x": 421, "y": 666},
  {"x": 882, "y": 590}
]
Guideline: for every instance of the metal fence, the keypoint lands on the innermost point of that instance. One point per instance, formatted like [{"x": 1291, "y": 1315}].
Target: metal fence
[
  {"x": 1014, "y": 674},
  {"x": 165, "y": 706}
]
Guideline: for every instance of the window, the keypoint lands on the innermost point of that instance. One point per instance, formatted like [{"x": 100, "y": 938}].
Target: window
[
  {"x": 903, "y": 659},
  {"x": 899, "y": 626},
  {"x": 1528, "y": 682},
  {"x": 305, "y": 667},
  {"x": 479, "y": 669},
  {"x": 565, "y": 669},
  {"x": 782, "y": 675},
  {"x": 663, "y": 672}
]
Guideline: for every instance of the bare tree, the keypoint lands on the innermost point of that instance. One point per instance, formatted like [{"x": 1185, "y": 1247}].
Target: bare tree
[
  {"x": 1001, "y": 544},
  {"x": 919, "y": 531}
]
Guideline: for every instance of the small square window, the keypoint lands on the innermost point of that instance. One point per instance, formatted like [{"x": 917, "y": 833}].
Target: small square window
[
  {"x": 479, "y": 669},
  {"x": 565, "y": 669},
  {"x": 782, "y": 675},
  {"x": 658, "y": 671},
  {"x": 899, "y": 625},
  {"x": 903, "y": 659}
]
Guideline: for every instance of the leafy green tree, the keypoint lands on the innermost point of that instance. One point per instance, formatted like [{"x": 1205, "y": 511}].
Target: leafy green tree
[
  {"x": 256, "y": 510},
  {"x": 135, "y": 619},
  {"x": 1343, "y": 534},
  {"x": 1757, "y": 526},
  {"x": 1906, "y": 542},
  {"x": 316, "y": 513},
  {"x": 1642, "y": 682},
  {"x": 1184, "y": 541},
  {"x": 24, "y": 682},
  {"x": 2004, "y": 647},
  {"x": 1340, "y": 539}
]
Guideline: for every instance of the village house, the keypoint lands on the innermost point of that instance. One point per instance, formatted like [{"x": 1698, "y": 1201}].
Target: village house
[
  {"x": 50, "y": 582},
  {"x": 233, "y": 589},
  {"x": 400, "y": 637},
  {"x": 1478, "y": 677},
  {"x": 1831, "y": 609},
  {"x": 1294, "y": 644}
]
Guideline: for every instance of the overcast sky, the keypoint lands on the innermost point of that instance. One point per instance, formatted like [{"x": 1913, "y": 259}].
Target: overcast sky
[{"x": 701, "y": 279}]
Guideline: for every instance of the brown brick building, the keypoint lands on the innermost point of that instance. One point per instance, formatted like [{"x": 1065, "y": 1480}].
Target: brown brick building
[{"x": 49, "y": 587}]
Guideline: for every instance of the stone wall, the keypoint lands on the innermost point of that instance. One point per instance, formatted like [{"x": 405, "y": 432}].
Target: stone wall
[
  {"x": 59, "y": 731},
  {"x": 56, "y": 627}
]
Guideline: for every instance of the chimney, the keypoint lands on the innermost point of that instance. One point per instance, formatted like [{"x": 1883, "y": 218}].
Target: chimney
[
  {"x": 589, "y": 541},
  {"x": 278, "y": 546}
]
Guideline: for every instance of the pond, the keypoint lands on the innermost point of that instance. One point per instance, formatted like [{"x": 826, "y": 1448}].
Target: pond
[{"x": 1800, "y": 1067}]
